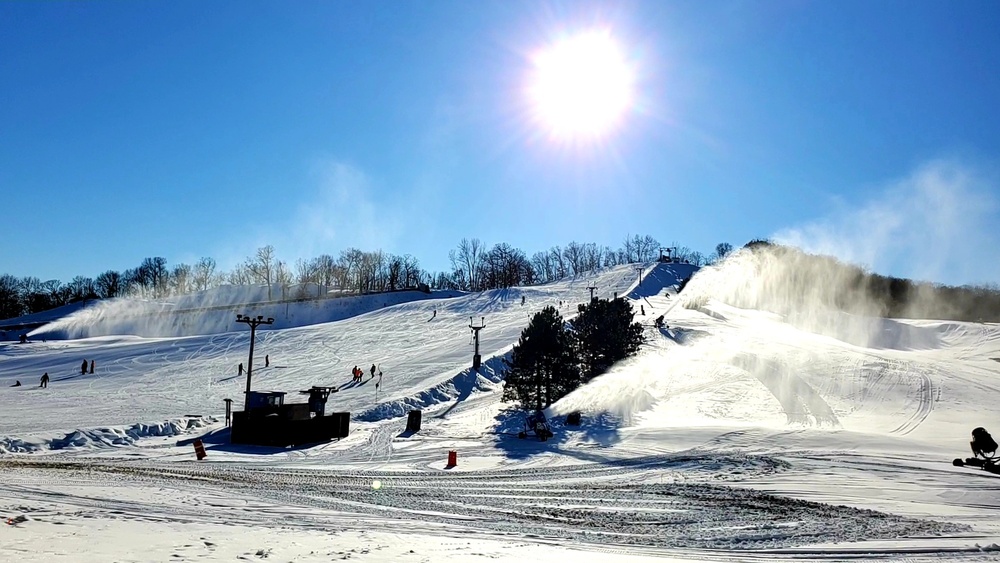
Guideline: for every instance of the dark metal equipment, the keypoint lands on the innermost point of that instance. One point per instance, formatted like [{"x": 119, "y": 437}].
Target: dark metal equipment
[
  {"x": 536, "y": 424},
  {"x": 269, "y": 421},
  {"x": 413, "y": 421},
  {"x": 984, "y": 450}
]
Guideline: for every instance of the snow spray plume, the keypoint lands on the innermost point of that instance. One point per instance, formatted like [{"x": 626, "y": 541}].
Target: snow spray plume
[
  {"x": 755, "y": 368},
  {"x": 722, "y": 378},
  {"x": 207, "y": 312},
  {"x": 938, "y": 223},
  {"x": 818, "y": 294}
]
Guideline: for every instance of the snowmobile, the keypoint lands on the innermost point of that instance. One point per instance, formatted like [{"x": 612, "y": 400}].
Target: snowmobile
[
  {"x": 537, "y": 425},
  {"x": 984, "y": 448}
]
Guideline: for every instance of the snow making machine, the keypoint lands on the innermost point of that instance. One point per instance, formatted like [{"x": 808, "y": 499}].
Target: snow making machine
[
  {"x": 536, "y": 424},
  {"x": 984, "y": 450}
]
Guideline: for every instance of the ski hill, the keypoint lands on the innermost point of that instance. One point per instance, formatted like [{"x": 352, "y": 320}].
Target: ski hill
[
  {"x": 419, "y": 353},
  {"x": 736, "y": 434}
]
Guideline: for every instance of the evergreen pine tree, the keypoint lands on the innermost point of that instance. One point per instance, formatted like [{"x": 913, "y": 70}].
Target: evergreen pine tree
[
  {"x": 542, "y": 368},
  {"x": 603, "y": 333}
]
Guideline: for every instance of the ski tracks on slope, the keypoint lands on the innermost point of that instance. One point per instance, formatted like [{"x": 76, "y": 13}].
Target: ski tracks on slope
[{"x": 924, "y": 396}]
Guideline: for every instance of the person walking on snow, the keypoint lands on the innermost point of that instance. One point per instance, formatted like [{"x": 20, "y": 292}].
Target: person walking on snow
[
  {"x": 83, "y": 368},
  {"x": 241, "y": 368},
  {"x": 91, "y": 366},
  {"x": 267, "y": 361},
  {"x": 373, "y": 371},
  {"x": 45, "y": 380}
]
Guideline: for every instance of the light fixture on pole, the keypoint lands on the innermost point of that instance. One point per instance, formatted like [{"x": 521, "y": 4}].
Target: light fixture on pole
[{"x": 248, "y": 320}]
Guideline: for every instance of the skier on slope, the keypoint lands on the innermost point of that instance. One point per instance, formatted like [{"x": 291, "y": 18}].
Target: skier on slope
[{"x": 373, "y": 371}]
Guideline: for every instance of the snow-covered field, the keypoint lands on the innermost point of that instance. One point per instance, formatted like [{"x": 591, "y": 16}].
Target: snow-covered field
[{"x": 735, "y": 435}]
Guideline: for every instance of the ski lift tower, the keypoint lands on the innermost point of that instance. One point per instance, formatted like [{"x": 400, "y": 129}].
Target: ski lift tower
[
  {"x": 253, "y": 322},
  {"x": 591, "y": 288},
  {"x": 476, "y": 358}
]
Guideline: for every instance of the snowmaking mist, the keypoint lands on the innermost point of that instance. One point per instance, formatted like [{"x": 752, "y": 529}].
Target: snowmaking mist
[
  {"x": 134, "y": 317},
  {"x": 818, "y": 294},
  {"x": 734, "y": 377},
  {"x": 214, "y": 311},
  {"x": 206, "y": 312},
  {"x": 783, "y": 323}
]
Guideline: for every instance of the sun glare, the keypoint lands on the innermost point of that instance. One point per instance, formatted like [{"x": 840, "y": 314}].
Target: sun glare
[{"x": 581, "y": 87}]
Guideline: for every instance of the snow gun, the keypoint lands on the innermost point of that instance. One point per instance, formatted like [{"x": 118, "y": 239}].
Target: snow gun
[{"x": 984, "y": 448}]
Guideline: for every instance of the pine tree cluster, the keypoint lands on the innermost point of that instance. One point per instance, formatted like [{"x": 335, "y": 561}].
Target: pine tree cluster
[{"x": 553, "y": 357}]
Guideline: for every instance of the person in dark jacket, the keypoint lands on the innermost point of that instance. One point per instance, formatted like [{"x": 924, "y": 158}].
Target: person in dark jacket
[
  {"x": 45, "y": 380},
  {"x": 83, "y": 368}
]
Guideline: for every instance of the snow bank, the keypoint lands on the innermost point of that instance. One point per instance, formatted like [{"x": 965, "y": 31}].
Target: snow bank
[
  {"x": 457, "y": 388},
  {"x": 107, "y": 437}
]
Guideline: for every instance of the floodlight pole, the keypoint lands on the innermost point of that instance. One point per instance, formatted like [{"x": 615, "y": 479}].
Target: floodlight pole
[
  {"x": 253, "y": 322},
  {"x": 639, "y": 269},
  {"x": 476, "y": 358}
]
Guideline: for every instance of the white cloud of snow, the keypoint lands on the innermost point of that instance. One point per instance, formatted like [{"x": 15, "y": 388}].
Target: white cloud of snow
[{"x": 937, "y": 224}]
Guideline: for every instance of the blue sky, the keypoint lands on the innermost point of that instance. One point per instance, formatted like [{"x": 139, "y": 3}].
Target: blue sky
[{"x": 870, "y": 130}]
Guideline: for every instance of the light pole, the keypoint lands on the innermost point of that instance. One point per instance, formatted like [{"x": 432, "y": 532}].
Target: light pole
[
  {"x": 476, "y": 358},
  {"x": 253, "y": 322}
]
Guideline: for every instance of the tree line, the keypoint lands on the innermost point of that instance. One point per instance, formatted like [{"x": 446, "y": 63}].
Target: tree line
[{"x": 474, "y": 267}]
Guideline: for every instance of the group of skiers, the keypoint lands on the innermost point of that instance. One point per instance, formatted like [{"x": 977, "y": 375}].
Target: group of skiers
[
  {"x": 44, "y": 382},
  {"x": 358, "y": 373},
  {"x": 85, "y": 368}
]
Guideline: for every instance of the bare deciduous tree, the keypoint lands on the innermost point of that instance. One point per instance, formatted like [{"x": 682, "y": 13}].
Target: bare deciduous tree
[
  {"x": 203, "y": 274},
  {"x": 468, "y": 259},
  {"x": 109, "y": 284}
]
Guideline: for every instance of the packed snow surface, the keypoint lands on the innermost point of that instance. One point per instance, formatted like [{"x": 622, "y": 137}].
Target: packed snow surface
[{"x": 735, "y": 434}]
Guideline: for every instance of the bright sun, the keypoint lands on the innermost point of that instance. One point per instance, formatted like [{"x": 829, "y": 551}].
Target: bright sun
[{"x": 582, "y": 86}]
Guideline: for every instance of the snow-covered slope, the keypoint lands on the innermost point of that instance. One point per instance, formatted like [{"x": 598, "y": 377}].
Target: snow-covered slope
[
  {"x": 163, "y": 378},
  {"x": 735, "y": 434}
]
